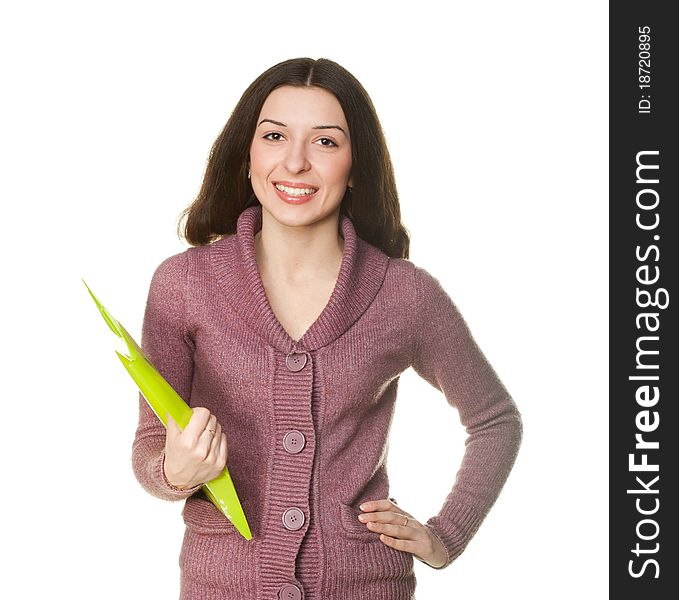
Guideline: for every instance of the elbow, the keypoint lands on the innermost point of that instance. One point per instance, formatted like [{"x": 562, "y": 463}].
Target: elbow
[
  {"x": 146, "y": 457},
  {"x": 514, "y": 432},
  {"x": 518, "y": 425},
  {"x": 509, "y": 427},
  {"x": 514, "y": 426}
]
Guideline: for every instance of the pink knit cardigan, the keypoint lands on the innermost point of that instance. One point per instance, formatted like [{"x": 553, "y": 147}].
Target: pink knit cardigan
[{"x": 307, "y": 421}]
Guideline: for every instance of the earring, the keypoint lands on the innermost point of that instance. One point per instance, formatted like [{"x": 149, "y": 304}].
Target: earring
[
  {"x": 350, "y": 189},
  {"x": 248, "y": 173}
]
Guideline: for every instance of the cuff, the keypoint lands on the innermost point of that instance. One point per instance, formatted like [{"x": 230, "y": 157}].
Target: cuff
[
  {"x": 454, "y": 527},
  {"x": 175, "y": 492}
]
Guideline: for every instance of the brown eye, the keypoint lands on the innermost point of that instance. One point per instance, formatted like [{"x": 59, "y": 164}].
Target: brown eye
[
  {"x": 266, "y": 137},
  {"x": 328, "y": 140}
]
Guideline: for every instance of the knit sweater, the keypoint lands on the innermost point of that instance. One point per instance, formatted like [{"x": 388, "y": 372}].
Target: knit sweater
[{"x": 307, "y": 421}]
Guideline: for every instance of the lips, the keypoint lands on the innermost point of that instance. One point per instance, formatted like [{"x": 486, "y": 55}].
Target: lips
[
  {"x": 296, "y": 185},
  {"x": 292, "y": 198}
]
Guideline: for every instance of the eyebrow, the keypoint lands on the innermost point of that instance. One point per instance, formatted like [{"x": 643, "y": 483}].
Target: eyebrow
[{"x": 314, "y": 127}]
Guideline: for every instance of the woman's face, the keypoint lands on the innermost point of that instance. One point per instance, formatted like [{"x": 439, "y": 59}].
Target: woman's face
[{"x": 300, "y": 157}]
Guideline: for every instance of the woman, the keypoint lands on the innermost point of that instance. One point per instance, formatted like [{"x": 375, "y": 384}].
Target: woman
[{"x": 286, "y": 326}]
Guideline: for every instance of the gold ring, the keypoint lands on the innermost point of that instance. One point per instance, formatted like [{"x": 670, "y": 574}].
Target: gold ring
[
  {"x": 211, "y": 431},
  {"x": 406, "y": 523}
]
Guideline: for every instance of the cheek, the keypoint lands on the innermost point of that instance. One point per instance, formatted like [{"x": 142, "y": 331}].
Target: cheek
[
  {"x": 255, "y": 157},
  {"x": 341, "y": 168},
  {"x": 261, "y": 157}
]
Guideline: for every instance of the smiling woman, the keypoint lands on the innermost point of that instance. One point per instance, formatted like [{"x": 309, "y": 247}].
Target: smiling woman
[
  {"x": 286, "y": 327},
  {"x": 302, "y": 159}
]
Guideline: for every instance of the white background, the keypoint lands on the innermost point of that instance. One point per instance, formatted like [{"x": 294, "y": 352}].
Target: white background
[{"x": 496, "y": 115}]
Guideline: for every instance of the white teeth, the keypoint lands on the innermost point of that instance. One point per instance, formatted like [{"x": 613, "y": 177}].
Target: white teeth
[{"x": 295, "y": 191}]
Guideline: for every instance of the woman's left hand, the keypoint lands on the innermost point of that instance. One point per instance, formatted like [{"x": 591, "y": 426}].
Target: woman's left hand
[{"x": 399, "y": 530}]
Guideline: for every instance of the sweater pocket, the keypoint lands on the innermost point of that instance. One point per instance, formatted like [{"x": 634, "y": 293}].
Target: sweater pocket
[
  {"x": 362, "y": 566},
  {"x": 201, "y": 516},
  {"x": 353, "y": 527}
]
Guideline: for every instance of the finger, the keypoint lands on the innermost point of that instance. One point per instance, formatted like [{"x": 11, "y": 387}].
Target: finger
[
  {"x": 211, "y": 426},
  {"x": 206, "y": 438},
  {"x": 172, "y": 427},
  {"x": 196, "y": 425},
  {"x": 399, "y": 544},
  {"x": 214, "y": 444},
  {"x": 387, "y": 516},
  {"x": 219, "y": 459},
  {"x": 375, "y": 505},
  {"x": 205, "y": 432},
  {"x": 395, "y": 530},
  {"x": 223, "y": 451}
]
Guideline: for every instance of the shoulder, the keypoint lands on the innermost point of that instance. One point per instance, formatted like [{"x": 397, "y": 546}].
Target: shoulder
[
  {"x": 432, "y": 305},
  {"x": 414, "y": 286},
  {"x": 171, "y": 269},
  {"x": 193, "y": 259},
  {"x": 168, "y": 280},
  {"x": 418, "y": 279}
]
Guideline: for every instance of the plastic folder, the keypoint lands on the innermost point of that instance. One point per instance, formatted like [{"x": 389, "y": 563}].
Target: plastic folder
[{"x": 163, "y": 399}]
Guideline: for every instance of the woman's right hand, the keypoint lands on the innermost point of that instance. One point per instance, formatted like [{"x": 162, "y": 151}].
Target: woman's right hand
[{"x": 196, "y": 454}]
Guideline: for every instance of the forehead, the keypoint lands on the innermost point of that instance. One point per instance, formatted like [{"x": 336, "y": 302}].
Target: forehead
[{"x": 302, "y": 106}]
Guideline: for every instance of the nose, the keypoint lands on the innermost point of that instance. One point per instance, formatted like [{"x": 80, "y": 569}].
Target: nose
[{"x": 296, "y": 159}]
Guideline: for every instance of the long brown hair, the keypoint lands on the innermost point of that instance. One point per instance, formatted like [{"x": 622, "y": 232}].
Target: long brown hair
[{"x": 372, "y": 205}]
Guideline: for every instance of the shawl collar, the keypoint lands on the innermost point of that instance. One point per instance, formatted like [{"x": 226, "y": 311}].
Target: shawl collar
[{"x": 360, "y": 278}]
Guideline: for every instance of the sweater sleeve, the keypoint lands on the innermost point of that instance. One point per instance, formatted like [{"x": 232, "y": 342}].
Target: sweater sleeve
[
  {"x": 167, "y": 345},
  {"x": 446, "y": 355}
]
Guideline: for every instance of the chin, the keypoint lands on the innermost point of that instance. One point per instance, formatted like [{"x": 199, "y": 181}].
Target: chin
[{"x": 299, "y": 215}]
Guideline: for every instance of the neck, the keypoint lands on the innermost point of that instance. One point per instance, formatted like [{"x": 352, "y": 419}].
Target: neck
[{"x": 299, "y": 254}]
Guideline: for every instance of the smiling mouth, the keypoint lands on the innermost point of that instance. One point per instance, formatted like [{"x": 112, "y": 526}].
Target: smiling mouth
[{"x": 293, "y": 191}]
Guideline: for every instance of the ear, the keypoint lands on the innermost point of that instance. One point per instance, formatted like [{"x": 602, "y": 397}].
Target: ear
[{"x": 350, "y": 183}]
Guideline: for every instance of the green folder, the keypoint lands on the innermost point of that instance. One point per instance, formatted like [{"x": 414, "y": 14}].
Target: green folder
[{"x": 162, "y": 398}]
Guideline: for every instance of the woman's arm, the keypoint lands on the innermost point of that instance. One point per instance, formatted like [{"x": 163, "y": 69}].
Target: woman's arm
[
  {"x": 446, "y": 355},
  {"x": 166, "y": 343}
]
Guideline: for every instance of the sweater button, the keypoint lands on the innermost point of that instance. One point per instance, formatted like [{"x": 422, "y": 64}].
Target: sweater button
[
  {"x": 294, "y": 441},
  {"x": 293, "y": 519},
  {"x": 290, "y": 592},
  {"x": 295, "y": 361}
]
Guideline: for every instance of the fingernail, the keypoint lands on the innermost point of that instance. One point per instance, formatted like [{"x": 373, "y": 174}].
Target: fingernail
[
  {"x": 362, "y": 507},
  {"x": 361, "y": 517}
]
